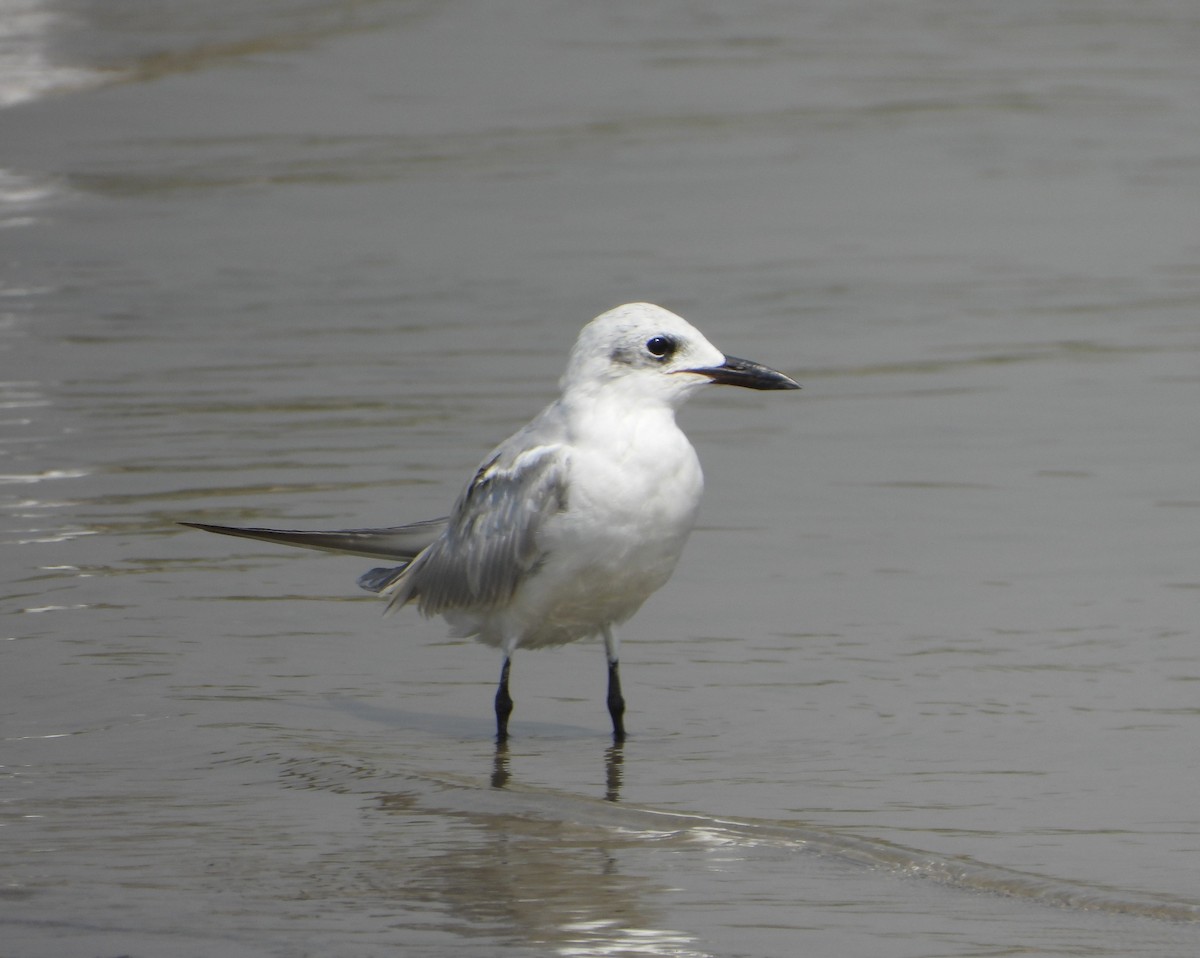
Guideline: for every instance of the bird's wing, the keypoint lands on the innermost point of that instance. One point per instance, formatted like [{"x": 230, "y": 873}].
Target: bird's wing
[
  {"x": 490, "y": 543},
  {"x": 397, "y": 542}
]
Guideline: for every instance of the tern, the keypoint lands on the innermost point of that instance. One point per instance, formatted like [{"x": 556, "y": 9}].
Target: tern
[{"x": 571, "y": 523}]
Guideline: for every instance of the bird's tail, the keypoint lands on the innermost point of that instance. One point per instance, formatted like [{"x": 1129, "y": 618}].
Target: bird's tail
[
  {"x": 379, "y": 580},
  {"x": 396, "y": 542}
]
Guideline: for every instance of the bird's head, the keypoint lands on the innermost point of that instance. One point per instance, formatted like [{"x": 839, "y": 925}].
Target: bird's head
[{"x": 653, "y": 355}]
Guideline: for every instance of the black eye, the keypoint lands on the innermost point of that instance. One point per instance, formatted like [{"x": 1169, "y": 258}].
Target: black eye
[{"x": 661, "y": 346}]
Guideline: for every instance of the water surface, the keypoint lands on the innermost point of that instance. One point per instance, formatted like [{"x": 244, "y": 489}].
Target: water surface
[{"x": 925, "y": 681}]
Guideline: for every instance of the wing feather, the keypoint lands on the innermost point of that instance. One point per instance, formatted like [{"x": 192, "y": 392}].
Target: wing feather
[{"x": 491, "y": 541}]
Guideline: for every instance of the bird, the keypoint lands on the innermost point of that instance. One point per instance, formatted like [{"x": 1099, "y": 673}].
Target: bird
[{"x": 570, "y": 524}]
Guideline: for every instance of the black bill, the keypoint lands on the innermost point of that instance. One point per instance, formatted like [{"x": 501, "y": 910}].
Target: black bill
[{"x": 747, "y": 373}]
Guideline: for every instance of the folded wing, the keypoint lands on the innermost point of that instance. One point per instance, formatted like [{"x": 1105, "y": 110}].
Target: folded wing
[{"x": 490, "y": 543}]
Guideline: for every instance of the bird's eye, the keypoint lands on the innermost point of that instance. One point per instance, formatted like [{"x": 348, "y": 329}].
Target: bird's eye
[{"x": 661, "y": 347}]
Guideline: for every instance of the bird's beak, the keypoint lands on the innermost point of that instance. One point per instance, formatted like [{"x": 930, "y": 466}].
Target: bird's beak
[{"x": 745, "y": 372}]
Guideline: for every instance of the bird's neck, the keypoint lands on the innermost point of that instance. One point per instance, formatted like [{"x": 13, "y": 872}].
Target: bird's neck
[{"x": 617, "y": 423}]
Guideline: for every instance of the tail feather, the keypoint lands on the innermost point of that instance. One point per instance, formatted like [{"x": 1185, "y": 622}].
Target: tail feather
[
  {"x": 399, "y": 542},
  {"x": 379, "y": 580},
  {"x": 396, "y": 542}
]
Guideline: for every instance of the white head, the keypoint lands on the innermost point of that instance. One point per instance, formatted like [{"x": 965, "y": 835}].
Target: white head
[{"x": 653, "y": 355}]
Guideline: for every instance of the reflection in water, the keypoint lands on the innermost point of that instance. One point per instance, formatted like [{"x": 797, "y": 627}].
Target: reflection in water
[
  {"x": 614, "y": 760},
  {"x": 559, "y": 870},
  {"x": 554, "y": 882},
  {"x": 500, "y": 770}
]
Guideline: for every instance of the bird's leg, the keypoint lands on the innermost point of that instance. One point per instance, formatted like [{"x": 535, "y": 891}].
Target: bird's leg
[
  {"x": 616, "y": 702},
  {"x": 504, "y": 703}
]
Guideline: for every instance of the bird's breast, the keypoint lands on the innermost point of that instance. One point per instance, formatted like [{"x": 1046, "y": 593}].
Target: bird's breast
[
  {"x": 640, "y": 490},
  {"x": 614, "y": 545},
  {"x": 627, "y": 514}
]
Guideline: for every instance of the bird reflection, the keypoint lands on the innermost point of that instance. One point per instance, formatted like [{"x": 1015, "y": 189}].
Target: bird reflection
[
  {"x": 614, "y": 761},
  {"x": 500, "y": 770},
  {"x": 521, "y": 866}
]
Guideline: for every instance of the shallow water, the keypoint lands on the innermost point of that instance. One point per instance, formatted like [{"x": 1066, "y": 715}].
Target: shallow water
[{"x": 925, "y": 681}]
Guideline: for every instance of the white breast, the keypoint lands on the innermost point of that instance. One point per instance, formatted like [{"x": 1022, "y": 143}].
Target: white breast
[{"x": 634, "y": 495}]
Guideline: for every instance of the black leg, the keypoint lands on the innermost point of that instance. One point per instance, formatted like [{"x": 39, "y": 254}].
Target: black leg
[
  {"x": 504, "y": 703},
  {"x": 616, "y": 703}
]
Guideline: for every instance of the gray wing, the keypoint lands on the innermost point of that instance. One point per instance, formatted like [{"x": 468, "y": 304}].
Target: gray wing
[
  {"x": 491, "y": 539},
  {"x": 397, "y": 542}
]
